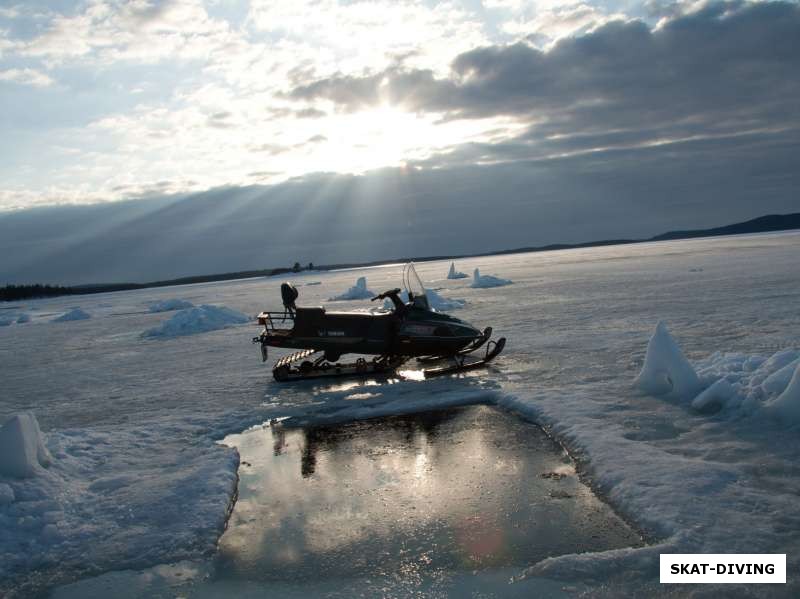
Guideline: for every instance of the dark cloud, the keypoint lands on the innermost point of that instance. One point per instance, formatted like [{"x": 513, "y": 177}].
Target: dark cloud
[
  {"x": 730, "y": 67},
  {"x": 459, "y": 207}
]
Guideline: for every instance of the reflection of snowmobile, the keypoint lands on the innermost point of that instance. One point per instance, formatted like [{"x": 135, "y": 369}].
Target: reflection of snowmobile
[{"x": 410, "y": 330}]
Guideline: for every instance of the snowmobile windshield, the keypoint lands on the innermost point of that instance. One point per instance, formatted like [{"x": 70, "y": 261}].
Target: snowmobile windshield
[{"x": 414, "y": 287}]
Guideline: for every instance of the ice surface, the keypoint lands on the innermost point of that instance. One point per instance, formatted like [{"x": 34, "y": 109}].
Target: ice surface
[
  {"x": 168, "y": 305},
  {"x": 115, "y": 497},
  {"x": 6, "y": 321},
  {"x": 137, "y": 479},
  {"x": 22, "y": 450},
  {"x": 436, "y": 301},
  {"x": 356, "y": 292},
  {"x": 480, "y": 281},
  {"x": 73, "y": 314},
  {"x": 201, "y": 319},
  {"x": 666, "y": 371},
  {"x": 454, "y": 274}
]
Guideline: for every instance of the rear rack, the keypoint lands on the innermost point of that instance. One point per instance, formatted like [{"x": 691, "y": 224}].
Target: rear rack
[{"x": 277, "y": 321}]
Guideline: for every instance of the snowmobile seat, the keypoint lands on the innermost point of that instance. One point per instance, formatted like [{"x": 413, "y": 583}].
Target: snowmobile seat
[
  {"x": 312, "y": 313},
  {"x": 308, "y": 321}
]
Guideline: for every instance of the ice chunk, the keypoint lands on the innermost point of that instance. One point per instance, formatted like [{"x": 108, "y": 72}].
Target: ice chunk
[
  {"x": 715, "y": 397},
  {"x": 6, "y": 494},
  {"x": 786, "y": 407},
  {"x": 5, "y": 321},
  {"x": 441, "y": 303},
  {"x": 666, "y": 371},
  {"x": 454, "y": 274},
  {"x": 22, "y": 449},
  {"x": 23, "y": 318},
  {"x": 169, "y": 305},
  {"x": 776, "y": 382},
  {"x": 780, "y": 359},
  {"x": 200, "y": 319},
  {"x": 480, "y": 281},
  {"x": 74, "y": 314},
  {"x": 356, "y": 292}
]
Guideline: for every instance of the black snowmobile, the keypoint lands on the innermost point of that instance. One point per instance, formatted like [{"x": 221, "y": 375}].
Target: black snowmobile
[{"x": 393, "y": 336}]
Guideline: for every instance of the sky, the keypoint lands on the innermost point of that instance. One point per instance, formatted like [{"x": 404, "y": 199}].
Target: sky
[{"x": 149, "y": 139}]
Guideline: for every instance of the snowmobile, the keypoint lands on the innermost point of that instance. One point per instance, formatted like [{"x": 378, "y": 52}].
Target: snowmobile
[{"x": 385, "y": 338}]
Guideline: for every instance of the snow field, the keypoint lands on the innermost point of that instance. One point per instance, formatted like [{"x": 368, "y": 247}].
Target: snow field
[{"x": 136, "y": 477}]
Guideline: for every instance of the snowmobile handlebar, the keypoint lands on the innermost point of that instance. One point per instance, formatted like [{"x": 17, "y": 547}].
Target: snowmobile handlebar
[
  {"x": 394, "y": 295},
  {"x": 386, "y": 294}
]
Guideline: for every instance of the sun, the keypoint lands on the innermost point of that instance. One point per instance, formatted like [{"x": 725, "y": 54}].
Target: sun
[{"x": 379, "y": 137}]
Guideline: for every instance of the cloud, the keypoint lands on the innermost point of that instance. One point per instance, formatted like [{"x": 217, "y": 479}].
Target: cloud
[
  {"x": 26, "y": 77},
  {"x": 107, "y": 32},
  {"x": 358, "y": 35},
  {"x": 310, "y": 113}
]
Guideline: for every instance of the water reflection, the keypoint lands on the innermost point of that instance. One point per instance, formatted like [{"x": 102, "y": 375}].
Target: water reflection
[{"x": 410, "y": 497}]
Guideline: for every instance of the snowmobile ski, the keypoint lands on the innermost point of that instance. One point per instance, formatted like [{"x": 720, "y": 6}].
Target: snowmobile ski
[
  {"x": 476, "y": 345},
  {"x": 461, "y": 363}
]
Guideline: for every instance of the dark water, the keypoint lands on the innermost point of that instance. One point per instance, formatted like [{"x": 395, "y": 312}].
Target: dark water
[{"x": 412, "y": 499}]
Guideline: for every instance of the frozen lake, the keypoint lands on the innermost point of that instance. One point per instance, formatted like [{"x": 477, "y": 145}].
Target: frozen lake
[{"x": 138, "y": 479}]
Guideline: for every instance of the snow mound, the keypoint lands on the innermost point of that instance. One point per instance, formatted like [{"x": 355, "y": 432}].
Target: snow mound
[
  {"x": 666, "y": 370},
  {"x": 74, "y": 314},
  {"x": 200, "y": 319},
  {"x": 22, "y": 450},
  {"x": 168, "y": 305},
  {"x": 480, "y": 281},
  {"x": 23, "y": 318},
  {"x": 454, "y": 274},
  {"x": 356, "y": 292},
  {"x": 786, "y": 407},
  {"x": 437, "y": 302}
]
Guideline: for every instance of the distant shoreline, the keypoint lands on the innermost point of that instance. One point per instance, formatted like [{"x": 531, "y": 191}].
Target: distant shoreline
[{"x": 762, "y": 224}]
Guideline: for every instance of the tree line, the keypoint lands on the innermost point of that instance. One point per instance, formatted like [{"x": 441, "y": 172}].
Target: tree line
[{"x": 12, "y": 293}]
